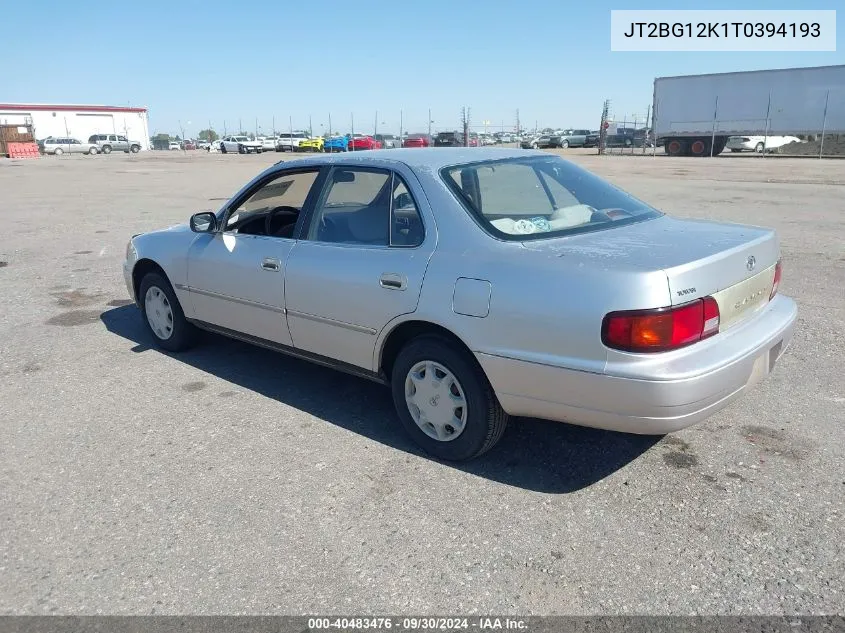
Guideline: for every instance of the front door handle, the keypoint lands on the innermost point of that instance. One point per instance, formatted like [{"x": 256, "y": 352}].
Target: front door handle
[
  {"x": 393, "y": 281},
  {"x": 273, "y": 265}
]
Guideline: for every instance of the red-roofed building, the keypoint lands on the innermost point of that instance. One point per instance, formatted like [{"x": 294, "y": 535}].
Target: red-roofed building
[{"x": 79, "y": 121}]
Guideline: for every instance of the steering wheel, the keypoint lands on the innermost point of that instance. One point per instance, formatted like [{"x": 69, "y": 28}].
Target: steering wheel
[{"x": 268, "y": 219}]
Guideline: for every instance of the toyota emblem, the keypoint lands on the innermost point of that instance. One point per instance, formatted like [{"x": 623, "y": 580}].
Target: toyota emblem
[{"x": 751, "y": 262}]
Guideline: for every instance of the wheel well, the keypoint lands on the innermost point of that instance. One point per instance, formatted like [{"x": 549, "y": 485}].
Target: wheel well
[
  {"x": 408, "y": 330},
  {"x": 142, "y": 267}
]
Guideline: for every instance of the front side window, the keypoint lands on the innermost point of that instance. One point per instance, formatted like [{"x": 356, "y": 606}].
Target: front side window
[
  {"x": 273, "y": 209},
  {"x": 535, "y": 198}
]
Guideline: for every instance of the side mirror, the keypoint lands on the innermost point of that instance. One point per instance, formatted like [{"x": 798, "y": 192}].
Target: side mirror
[{"x": 204, "y": 222}]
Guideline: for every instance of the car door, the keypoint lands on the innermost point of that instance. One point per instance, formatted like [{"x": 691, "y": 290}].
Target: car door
[
  {"x": 359, "y": 263},
  {"x": 236, "y": 275}
]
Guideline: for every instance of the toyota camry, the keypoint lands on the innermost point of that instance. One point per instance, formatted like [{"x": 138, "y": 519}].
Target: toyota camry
[{"x": 478, "y": 285}]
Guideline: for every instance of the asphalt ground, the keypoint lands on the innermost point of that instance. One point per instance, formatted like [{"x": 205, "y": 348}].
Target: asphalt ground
[{"x": 234, "y": 480}]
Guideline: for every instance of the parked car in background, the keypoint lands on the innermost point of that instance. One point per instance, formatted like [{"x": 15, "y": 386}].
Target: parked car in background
[
  {"x": 388, "y": 141},
  {"x": 188, "y": 144},
  {"x": 592, "y": 139},
  {"x": 759, "y": 144},
  {"x": 268, "y": 143},
  {"x": 474, "y": 141},
  {"x": 174, "y": 145},
  {"x": 574, "y": 138},
  {"x": 674, "y": 318},
  {"x": 315, "y": 144},
  {"x": 65, "y": 145},
  {"x": 364, "y": 142},
  {"x": 544, "y": 141},
  {"x": 449, "y": 139},
  {"x": 203, "y": 144},
  {"x": 417, "y": 139},
  {"x": 107, "y": 143},
  {"x": 240, "y": 144},
  {"x": 336, "y": 144},
  {"x": 290, "y": 142}
]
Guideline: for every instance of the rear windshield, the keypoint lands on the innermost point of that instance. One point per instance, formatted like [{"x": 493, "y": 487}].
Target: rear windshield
[
  {"x": 540, "y": 197},
  {"x": 446, "y": 135}
]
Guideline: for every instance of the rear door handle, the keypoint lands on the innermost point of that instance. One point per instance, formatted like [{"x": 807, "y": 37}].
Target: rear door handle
[
  {"x": 273, "y": 265},
  {"x": 393, "y": 281}
]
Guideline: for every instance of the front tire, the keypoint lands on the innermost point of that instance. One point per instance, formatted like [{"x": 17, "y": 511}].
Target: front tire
[
  {"x": 135, "y": 149},
  {"x": 163, "y": 316},
  {"x": 106, "y": 149},
  {"x": 564, "y": 145},
  {"x": 444, "y": 400},
  {"x": 58, "y": 151},
  {"x": 223, "y": 148},
  {"x": 92, "y": 151}
]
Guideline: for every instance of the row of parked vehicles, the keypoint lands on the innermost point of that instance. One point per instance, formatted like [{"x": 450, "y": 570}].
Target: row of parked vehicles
[
  {"x": 97, "y": 144},
  {"x": 303, "y": 142}
]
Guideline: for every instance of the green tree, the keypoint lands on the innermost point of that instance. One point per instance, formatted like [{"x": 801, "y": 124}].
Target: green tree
[
  {"x": 161, "y": 137},
  {"x": 208, "y": 135}
]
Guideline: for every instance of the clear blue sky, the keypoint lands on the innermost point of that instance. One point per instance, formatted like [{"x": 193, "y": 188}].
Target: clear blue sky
[{"x": 198, "y": 61}]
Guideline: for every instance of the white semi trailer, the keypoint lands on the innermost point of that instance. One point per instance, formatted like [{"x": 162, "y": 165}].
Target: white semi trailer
[{"x": 695, "y": 114}]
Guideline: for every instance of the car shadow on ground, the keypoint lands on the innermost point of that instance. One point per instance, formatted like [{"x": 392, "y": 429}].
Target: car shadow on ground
[{"x": 533, "y": 454}]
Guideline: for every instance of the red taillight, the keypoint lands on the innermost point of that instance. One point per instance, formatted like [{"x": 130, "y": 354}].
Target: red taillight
[
  {"x": 776, "y": 282},
  {"x": 662, "y": 329}
]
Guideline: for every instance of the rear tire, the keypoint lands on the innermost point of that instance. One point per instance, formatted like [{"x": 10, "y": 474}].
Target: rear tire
[
  {"x": 223, "y": 148},
  {"x": 676, "y": 147},
  {"x": 59, "y": 151},
  {"x": 759, "y": 148},
  {"x": 92, "y": 151},
  {"x": 465, "y": 393},
  {"x": 699, "y": 147},
  {"x": 180, "y": 335},
  {"x": 564, "y": 144}
]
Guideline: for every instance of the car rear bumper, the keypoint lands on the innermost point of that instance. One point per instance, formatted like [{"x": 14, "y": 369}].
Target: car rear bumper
[{"x": 667, "y": 398}]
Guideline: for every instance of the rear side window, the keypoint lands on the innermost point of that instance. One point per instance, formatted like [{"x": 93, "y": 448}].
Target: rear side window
[{"x": 534, "y": 198}]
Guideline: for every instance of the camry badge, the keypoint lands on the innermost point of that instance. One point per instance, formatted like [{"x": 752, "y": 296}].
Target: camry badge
[{"x": 751, "y": 262}]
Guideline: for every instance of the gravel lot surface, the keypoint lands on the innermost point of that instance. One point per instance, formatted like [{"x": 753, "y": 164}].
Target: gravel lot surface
[{"x": 233, "y": 480}]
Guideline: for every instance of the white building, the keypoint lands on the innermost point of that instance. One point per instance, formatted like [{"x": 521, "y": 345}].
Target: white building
[{"x": 79, "y": 121}]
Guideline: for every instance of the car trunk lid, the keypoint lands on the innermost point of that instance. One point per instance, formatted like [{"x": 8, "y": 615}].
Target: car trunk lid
[{"x": 733, "y": 263}]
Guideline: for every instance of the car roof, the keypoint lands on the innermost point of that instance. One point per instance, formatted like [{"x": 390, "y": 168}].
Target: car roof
[{"x": 415, "y": 158}]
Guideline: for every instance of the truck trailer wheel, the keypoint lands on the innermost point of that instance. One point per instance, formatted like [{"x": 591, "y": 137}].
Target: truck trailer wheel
[
  {"x": 676, "y": 147},
  {"x": 700, "y": 147}
]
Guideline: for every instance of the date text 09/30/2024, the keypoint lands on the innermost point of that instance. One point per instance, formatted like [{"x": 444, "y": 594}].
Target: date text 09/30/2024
[{"x": 417, "y": 624}]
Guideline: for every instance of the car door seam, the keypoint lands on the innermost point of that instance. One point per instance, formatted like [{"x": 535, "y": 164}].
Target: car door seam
[{"x": 218, "y": 295}]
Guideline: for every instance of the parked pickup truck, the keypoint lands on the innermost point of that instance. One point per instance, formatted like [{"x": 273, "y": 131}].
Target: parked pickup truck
[{"x": 240, "y": 144}]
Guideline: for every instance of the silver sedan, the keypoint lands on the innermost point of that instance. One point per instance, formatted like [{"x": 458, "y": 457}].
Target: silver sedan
[{"x": 478, "y": 284}]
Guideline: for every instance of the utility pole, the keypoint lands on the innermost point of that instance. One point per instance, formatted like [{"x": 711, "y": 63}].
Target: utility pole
[
  {"x": 330, "y": 124},
  {"x": 429, "y": 123},
  {"x": 240, "y": 127},
  {"x": 375, "y": 125},
  {"x": 517, "y": 121},
  {"x": 352, "y": 140},
  {"x": 603, "y": 126},
  {"x": 400, "y": 127}
]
